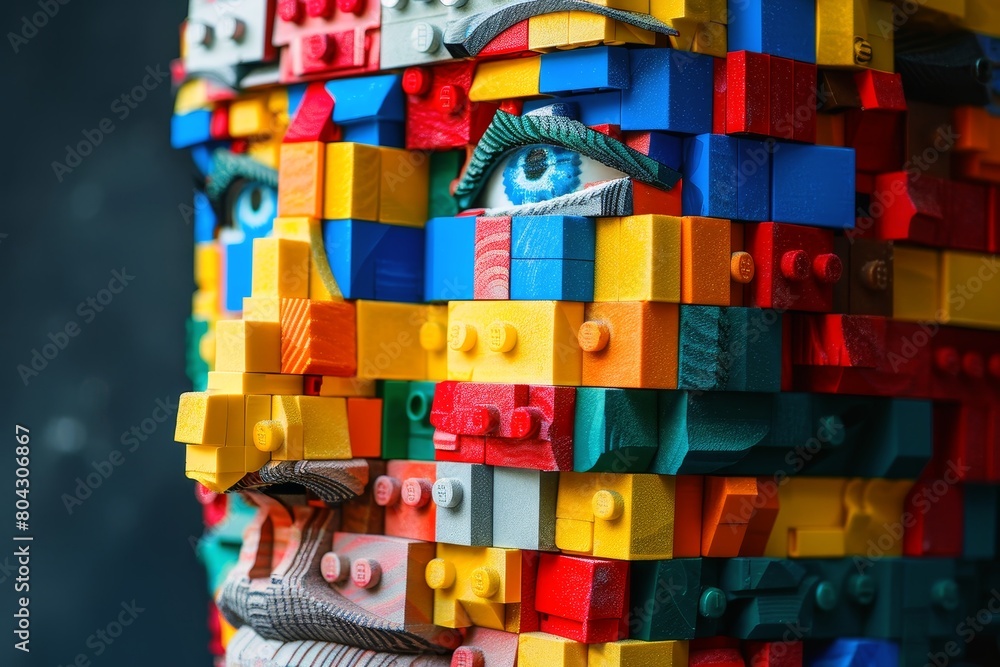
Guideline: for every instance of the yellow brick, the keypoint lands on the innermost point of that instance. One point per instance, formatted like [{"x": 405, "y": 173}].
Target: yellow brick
[
  {"x": 296, "y": 227},
  {"x": 223, "y": 382},
  {"x": 403, "y": 193},
  {"x": 266, "y": 151},
  {"x": 205, "y": 305},
  {"x": 881, "y": 36},
  {"x": 334, "y": 386},
  {"x": 632, "y": 515},
  {"x": 638, "y": 259},
  {"x": 970, "y": 289},
  {"x": 218, "y": 468},
  {"x": 248, "y": 347},
  {"x": 351, "y": 183},
  {"x": 840, "y": 22},
  {"x": 981, "y": 16},
  {"x": 206, "y": 266},
  {"x": 322, "y": 285},
  {"x": 548, "y": 31},
  {"x": 958, "y": 9},
  {"x": 434, "y": 341},
  {"x": 312, "y": 427},
  {"x": 202, "y": 419},
  {"x": 280, "y": 268},
  {"x": 711, "y": 39},
  {"x": 235, "y": 422},
  {"x": 810, "y": 521},
  {"x": 628, "y": 34},
  {"x": 693, "y": 10},
  {"x": 248, "y": 117},
  {"x": 873, "y": 507},
  {"x": 191, "y": 96},
  {"x": 261, "y": 309},
  {"x": 389, "y": 340},
  {"x": 506, "y": 79},
  {"x": 538, "y": 649},
  {"x": 514, "y": 341},
  {"x": 915, "y": 284},
  {"x": 458, "y": 602},
  {"x": 257, "y": 409},
  {"x": 641, "y": 6},
  {"x": 637, "y": 653},
  {"x": 586, "y": 29}
]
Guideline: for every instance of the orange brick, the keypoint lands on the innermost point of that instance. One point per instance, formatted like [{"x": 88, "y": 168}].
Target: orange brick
[
  {"x": 736, "y": 288},
  {"x": 727, "y": 510},
  {"x": 364, "y": 422},
  {"x": 629, "y": 344},
  {"x": 300, "y": 179},
  {"x": 318, "y": 337},
  {"x": 649, "y": 200},
  {"x": 705, "y": 258}
]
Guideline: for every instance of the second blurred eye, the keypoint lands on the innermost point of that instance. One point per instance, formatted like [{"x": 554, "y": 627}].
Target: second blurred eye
[
  {"x": 254, "y": 206},
  {"x": 539, "y": 173}
]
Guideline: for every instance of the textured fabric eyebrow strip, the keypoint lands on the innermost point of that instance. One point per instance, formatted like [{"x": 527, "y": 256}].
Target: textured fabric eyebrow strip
[
  {"x": 468, "y": 36},
  {"x": 507, "y": 131}
]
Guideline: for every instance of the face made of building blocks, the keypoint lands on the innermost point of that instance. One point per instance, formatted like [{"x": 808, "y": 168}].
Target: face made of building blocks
[{"x": 448, "y": 255}]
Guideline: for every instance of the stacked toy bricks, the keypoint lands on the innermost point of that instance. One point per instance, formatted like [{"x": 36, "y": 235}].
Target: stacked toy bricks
[{"x": 572, "y": 333}]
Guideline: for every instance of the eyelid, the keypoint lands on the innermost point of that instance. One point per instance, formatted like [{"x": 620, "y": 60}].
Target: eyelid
[
  {"x": 229, "y": 167},
  {"x": 468, "y": 36},
  {"x": 507, "y": 131}
]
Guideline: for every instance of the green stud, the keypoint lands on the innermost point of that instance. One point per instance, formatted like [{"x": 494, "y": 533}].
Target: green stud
[
  {"x": 712, "y": 603},
  {"x": 826, "y": 596}
]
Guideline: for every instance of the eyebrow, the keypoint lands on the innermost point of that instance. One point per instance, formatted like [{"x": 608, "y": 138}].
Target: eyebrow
[
  {"x": 507, "y": 131},
  {"x": 468, "y": 36},
  {"x": 229, "y": 167}
]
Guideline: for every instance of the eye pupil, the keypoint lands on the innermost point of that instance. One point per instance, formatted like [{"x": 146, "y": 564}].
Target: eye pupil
[
  {"x": 536, "y": 162},
  {"x": 255, "y": 199}
]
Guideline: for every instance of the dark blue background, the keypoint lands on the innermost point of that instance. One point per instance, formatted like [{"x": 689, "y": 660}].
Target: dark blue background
[{"x": 131, "y": 540}]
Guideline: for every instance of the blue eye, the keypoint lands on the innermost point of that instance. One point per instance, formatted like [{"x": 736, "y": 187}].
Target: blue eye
[
  {"x": 538, "y": 173},
  {"x": 254, "y": 208}
]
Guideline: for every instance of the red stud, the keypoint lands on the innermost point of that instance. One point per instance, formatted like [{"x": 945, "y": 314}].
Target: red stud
[
  {"x": 416, "y": 81},
  {"x": 947, "y": 361},
  {"x": 795, "y": 265},
  {"x": 828, "y": 268}
]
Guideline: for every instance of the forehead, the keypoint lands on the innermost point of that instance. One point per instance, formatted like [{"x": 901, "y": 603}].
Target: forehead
[{"x": 430, "y": 74}]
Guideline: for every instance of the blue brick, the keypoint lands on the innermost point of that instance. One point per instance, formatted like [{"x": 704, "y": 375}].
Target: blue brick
[
  {"x": 368, "y": 98},
  {"x": 551, "y": 280},
  {"x": 667, "y": 149},
  {"x": 753, "y": 185},
  {"x": 190, "y": 128},
  {"x": 853, "y": 653},
  {"x": 785, "y": 28},
  {"x": 376, "y": 133},
  {"x": 591, "y": 109},
  {"x": 450, "y": 258},
  {"x": 670, "y": 90},
  {"x": 204, "y": 218},
  {"x": 552, "y": 237},
  {"x": 584, "y": 70},
  {"x": 812, "y": 185},
  {"x": 371, "y": 260},
  {"x": 710, "y": 176},
  {"x": 239, "y": 258}
]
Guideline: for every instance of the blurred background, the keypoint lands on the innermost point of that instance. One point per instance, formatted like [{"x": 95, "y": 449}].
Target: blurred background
[{"x": 96, "y": 259}]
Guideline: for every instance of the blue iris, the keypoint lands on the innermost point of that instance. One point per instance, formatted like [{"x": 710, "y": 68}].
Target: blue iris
[
  {"x": 538, "y": 173},
  {"x": 254, "y": 209}
]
